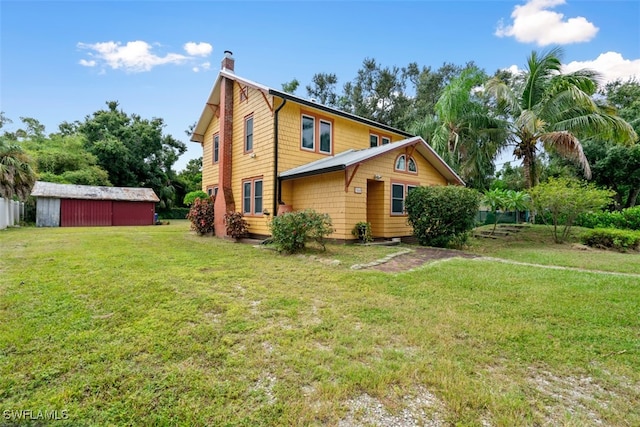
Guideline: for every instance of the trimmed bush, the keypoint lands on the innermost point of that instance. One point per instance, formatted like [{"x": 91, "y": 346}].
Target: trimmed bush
[
  {"x": 627, "y": 219},
  {"x": 612, "y": 238},
  {"x": 292, "y": 230},
  {"x": 190, "y": 197},
  {"x": 441, "y": 215},
  {"x": 201, "y": 215}
]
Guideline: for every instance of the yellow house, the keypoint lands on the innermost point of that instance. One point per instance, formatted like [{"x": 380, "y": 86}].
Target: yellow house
[{"x": 266, "y": 152}]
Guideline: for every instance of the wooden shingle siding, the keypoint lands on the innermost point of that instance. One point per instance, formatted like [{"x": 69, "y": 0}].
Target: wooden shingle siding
[
  {"x": 324, "y": 194},
  {"x": 210, "y": 171},
  {"x": 258, "y": 162}
]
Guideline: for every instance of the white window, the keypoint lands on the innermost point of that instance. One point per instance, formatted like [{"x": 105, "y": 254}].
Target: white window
[
  {"x": 325, "y": 137},
  {"x": 373, "y": 140},
  {"x": 216, "y": 148},
  {"x": 316, "y": 129},
  {"x": 308, "y": 133},
  {"x": 399, "y": 193},
  {"x": 248, "y": 134},
  {"x": 252, "y": 197}
]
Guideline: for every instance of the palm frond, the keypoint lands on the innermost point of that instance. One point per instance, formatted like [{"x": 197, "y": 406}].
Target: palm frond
[{"x": 568, "y": 146}]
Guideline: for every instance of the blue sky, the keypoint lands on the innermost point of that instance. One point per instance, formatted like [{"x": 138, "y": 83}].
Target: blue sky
[{"x": 61, "y": 61}]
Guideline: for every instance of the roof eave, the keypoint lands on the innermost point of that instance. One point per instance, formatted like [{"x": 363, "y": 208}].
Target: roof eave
[
  {"x": 337, "y": 112},
  {"x": 305, "y": 174}
]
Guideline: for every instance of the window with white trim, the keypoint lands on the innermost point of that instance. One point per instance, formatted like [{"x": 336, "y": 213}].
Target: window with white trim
[
  {"x": 252, "y": 197},
  {"x": 316, "y": 134},
  {"x": 399, "y": 193},
  {"x": 376, "y": 138},
  {"x": 212, "y": 191},
  {"x": 373, "y": 140},
  {"x": 216, "y": 148},
  {"x": 404, "y": 165},
  {"x": 308, "y": 133},
  {"x": 248, "y": 134}
]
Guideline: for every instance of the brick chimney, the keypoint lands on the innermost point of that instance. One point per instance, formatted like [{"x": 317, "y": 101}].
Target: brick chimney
[
  {"x": 228, "y": 62},
  {"x": 224, "y": 200}
]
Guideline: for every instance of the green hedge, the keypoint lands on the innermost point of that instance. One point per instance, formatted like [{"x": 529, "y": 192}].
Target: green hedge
[
  {"x": 175, "y": 213},
  {"x": 627, "y": 219},
  {"x": 612, "y": 238}
]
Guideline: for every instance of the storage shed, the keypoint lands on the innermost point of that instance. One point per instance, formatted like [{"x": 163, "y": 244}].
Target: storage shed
[{"x": 67, "y": 205}]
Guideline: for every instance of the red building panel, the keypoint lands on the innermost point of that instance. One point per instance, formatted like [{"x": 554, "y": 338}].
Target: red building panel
[
  {"x": 133, "y": 213},
  {"x": 85, "y": 213}
]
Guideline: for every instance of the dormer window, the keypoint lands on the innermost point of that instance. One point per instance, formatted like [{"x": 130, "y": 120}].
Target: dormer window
[{"x": 377, "y": 139}]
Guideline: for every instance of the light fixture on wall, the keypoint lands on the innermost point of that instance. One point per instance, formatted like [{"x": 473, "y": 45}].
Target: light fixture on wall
[{"x": 377, "y": 177}]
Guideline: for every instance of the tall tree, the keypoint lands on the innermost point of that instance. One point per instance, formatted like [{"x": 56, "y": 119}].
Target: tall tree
[
  {"x": 554, "y": 110},
  {"x": 64, "y": 159},
  {"x": 378, "y": 93},
  {"x": 133, "y": 150},
  {"x": 463, "y": 130},
  {"x": 16, "y": 173},
  {"x": 323, "y": 89}
]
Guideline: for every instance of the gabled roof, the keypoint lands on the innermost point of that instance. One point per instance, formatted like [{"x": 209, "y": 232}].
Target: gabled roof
[
  {"x": 213, "y": 101},
  {"x": 90, "y": 192},
  {"x": 352, "y": 157}
]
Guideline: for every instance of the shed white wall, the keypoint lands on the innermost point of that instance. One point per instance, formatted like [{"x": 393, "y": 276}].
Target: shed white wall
[{"x": 47, "y": 212}]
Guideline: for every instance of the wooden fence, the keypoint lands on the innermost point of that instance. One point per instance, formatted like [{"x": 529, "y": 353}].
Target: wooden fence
[{"x": 11, "y": 213}]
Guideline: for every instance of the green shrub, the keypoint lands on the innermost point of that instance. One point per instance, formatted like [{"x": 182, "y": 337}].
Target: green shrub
[
  {"x": 292, "y": 230},
  {"x": 627, "y": 219},
  {"x": 201, "y": 215},
  {"x": 440, "y": 215},
  {"x": 190, "y": 197},
  {"x": 632, "y": 218},
  {"x": 362, "y": 231},
  {"x": 611, "y": 238},
  {"x": 236, "y": 225},
  {"x": 563, "y": 199}
]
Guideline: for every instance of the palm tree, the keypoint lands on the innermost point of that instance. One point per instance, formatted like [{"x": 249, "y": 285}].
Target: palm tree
[
  {"x": 16, "y": 174},
  {"x": 554, "y": 109},
  {"x": 463, "y": 132}
]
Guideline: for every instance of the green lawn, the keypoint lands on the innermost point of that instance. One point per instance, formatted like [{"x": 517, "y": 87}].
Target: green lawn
[{"x": 157, "y": 326}]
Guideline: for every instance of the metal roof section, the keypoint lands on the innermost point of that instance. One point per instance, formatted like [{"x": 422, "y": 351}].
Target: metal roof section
[
  {"x": 337, "y": 112},
  {"x": 352, "y": 157},
  {"x": 90, "y": 192},
  {"x": 213, "y": 101}
]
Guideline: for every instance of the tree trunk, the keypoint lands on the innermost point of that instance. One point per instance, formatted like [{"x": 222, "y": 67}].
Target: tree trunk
[{"x": 632, "y": 198}]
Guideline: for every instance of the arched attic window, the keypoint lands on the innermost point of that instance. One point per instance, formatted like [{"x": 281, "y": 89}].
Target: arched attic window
[{"x": 406, "y": 166}]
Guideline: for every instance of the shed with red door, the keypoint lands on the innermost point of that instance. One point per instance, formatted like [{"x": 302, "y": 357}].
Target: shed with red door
[{"x": 69, "y": 205}]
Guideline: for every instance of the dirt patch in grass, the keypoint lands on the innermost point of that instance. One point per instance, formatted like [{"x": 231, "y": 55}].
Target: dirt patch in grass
[{"x": 418, "y": 257}]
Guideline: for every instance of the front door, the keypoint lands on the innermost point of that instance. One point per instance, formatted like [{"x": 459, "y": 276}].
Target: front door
[{"x": 376, "y": 207}]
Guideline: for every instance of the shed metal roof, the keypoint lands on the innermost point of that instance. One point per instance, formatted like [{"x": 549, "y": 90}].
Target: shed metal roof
[
  {"x": 90, "y": 192},
  {"x": 351, "y": 157}
]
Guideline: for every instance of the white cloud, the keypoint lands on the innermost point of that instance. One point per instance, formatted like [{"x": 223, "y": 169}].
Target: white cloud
[
  {"x": 137, "y": 56},
  {"x": 533, "y": 22},
  {"x": 611, "y": 65},
  {"x": 86, "y": 63},
  {"x": 198, "y": 49}
]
